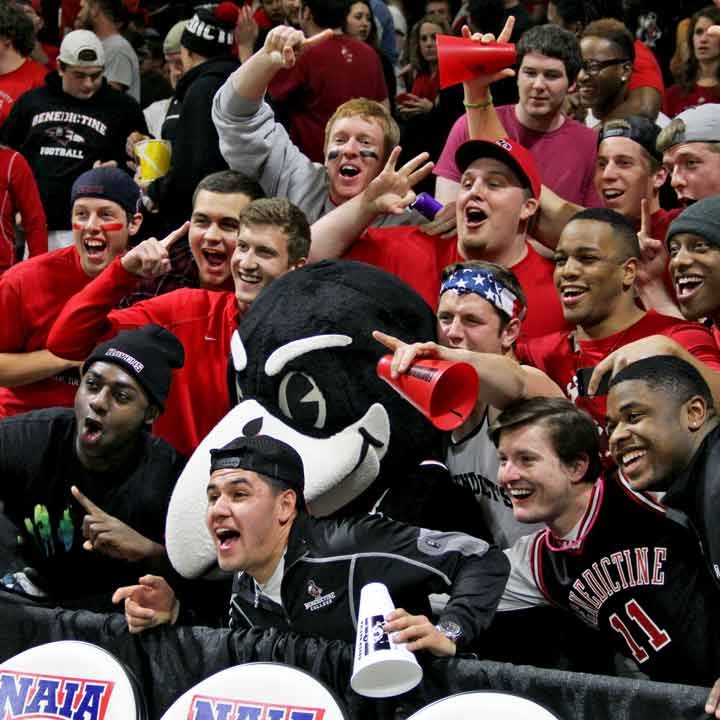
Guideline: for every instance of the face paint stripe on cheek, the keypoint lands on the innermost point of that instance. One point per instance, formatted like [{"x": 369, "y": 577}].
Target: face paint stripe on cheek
[
  {"x": 107, "y": 227},
  {"x": 333, "y": 154},
  {"x": 367, "y": 153}
]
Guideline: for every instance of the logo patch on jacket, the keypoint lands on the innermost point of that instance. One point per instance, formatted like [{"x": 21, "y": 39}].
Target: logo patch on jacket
[
  {"x": 203, "y": 707},
  {"x": 319, "y": 600},
  {"x": 27, "y": 695}
]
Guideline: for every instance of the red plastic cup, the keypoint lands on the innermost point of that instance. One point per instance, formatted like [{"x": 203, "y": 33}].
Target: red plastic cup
[
  {"x": 462, "y": 59},
  {"x": 445, "y": 392}
]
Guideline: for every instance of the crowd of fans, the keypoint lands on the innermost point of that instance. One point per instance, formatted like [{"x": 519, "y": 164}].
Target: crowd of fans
[{"x": 573, "y": 263}]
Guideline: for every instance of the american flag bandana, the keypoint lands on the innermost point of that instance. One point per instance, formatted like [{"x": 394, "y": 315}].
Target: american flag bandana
[{"x": 487, "y": 286}]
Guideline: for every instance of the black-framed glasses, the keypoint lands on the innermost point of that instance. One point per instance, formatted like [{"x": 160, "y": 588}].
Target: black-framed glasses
[{"x": 593, "y": 67}]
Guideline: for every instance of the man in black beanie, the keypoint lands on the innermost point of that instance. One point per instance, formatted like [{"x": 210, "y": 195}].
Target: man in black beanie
[
  {"x": 206, "y": 50},
  {"x": 89, "y": 488}
]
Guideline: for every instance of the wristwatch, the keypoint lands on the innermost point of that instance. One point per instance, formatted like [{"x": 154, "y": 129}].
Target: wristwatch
[{"x": 450, "y": 629}]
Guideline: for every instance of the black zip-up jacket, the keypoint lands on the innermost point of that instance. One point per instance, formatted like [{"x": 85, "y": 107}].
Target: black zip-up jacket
[
  {"x": 195, "y": 147},
  {"x": 696, "y": 492},
  {"x": 62, "y": 136},
  {"x": 328, "y": 561}
]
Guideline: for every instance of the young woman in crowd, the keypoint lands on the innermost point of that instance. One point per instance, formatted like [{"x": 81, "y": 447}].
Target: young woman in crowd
[{"x": 700, "y": 74}]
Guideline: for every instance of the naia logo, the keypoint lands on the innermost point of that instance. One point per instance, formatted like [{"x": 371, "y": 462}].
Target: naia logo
[
  {"x": 211, "y": 708},
  {"x": 47, "y": 697}
]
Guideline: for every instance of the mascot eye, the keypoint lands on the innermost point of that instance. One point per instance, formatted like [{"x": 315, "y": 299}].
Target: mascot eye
[{"x": 302, "y": 401}]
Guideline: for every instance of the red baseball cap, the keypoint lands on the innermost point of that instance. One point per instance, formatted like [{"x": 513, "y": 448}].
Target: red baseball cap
[{"x": 507, "y": 151}]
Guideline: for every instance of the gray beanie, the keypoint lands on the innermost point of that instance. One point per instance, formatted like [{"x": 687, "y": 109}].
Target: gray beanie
[{"x": 701, "y": 218}]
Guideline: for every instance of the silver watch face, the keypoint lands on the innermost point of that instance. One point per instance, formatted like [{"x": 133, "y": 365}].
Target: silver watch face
[{"x": 449, "y": 629}]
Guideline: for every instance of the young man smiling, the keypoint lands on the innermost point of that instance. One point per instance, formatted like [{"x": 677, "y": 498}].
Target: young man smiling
[
  {"x": 614, "y": 558},
  {"x": 32, "y": 294},
  {"x": 691, "y": 151},
  {"x": 89, "y": 487},
  {"x": 203, "y": 258},
  {"x": 273, "y": 238},
  {"x": 663, "y": 432},
  {"x": 595, "y": 273}
]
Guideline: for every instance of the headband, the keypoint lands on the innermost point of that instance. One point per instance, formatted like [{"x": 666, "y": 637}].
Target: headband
[{"x": 487, "y": 286}]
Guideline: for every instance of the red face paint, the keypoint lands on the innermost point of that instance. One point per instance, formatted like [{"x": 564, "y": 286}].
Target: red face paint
[{"x": 105, "y": 227}]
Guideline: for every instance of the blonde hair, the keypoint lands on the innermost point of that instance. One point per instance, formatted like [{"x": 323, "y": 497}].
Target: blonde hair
[{"x": 370, "y": 111}]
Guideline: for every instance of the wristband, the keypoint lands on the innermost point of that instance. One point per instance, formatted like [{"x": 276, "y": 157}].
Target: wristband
[{"x": 480, "y": 105}]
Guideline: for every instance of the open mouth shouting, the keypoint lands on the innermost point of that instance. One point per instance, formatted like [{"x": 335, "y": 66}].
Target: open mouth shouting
[
  {"x": 347, "y": 170},
  {"x": 474, "y": 217},
  {"x": 225, "y": 539},
  {"x": 91, "y": 431},
  {"x": 216, "y": 261},
  {"x": 95, "y": 248}
]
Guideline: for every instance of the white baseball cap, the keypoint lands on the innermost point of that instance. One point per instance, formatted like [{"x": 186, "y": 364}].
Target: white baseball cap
[{"x": 82, "y": 47}]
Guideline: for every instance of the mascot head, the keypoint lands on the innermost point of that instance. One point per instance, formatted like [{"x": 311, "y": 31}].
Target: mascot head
[{"x": 303, "y": 370}]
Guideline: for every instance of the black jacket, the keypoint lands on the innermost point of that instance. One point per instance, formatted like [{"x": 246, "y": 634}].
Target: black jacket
[
  {"x": 196, "y": 148},
  {"x": 696, "y": 492},
  {"x": 62, "y": 136},
  {"x": 328, "y": 561}
]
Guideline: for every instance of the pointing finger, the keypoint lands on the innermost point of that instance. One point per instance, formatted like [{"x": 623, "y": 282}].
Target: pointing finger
[
  {"x": 387, "y": 340},
  {"x": 125, "y": 592},
  {"x": 317, "y": 39},
  {"x": 88, "y": 504},
  {"x": 168, "y": 241}
]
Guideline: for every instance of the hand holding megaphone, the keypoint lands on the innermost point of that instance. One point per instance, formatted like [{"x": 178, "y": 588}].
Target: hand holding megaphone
[{"x": 477, "y": 59}]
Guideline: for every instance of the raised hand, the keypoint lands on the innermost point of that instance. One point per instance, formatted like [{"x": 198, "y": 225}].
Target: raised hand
[
  {"x": 483, "y": 80},
  {"x": 390, "y": 192},
  {"x": 106, "y": 534},
  {"x": 284, "y": 44},
  {"x": 152, "y": 256}
]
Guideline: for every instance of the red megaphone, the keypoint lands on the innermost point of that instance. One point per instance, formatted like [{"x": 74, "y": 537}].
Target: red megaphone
[{"x": 462, "y": 59}]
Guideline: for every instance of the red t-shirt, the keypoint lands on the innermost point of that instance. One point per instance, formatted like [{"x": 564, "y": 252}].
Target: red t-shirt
[
  {"x": 676, "y": 100},
  {"x": 418, "y": 259},
  {"x": 646, "y": 71},
  {"x": 13, "y": 84},
  {"x": 324, "y": 77},
  {"x": 202, "y": 320},
  {"x": 560, "y": 355},
  {"x": 32, "y": 294},
  {"x": 426, "y": 85}
]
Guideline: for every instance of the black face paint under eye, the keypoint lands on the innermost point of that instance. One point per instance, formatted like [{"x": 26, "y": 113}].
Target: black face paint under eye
[
  {"x": 371, "y": 154},
  {"x": 333, "y": 154}
]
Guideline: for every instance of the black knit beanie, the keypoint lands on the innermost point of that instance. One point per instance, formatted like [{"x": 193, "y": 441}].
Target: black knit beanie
[
  {"x": 209, "y": 32},
  {"x": 148, "y": 354},
  {"x": 701, "y": 218}
]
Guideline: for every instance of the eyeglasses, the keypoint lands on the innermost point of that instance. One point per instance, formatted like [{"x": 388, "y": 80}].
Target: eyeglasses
[{"x": 594, "y": 67}]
